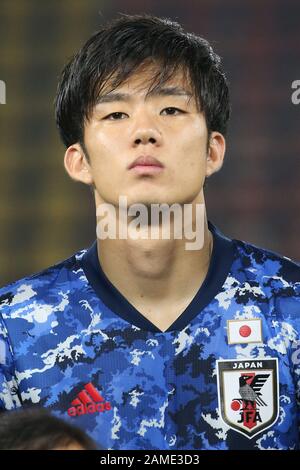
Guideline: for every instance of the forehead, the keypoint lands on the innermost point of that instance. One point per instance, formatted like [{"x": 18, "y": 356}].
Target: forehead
[{"x": 149, "y": 78}]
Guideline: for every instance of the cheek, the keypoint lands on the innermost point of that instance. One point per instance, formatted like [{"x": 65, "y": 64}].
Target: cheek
[
  {"x": 194, "y": 151},
  {"x": 105, "y": 150},
  {"x": 106, "y": 144},
  {"x": 110, "y": 141}
]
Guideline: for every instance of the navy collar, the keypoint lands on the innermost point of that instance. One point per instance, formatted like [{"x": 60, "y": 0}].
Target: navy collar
[{"x": 221, "y": 260}]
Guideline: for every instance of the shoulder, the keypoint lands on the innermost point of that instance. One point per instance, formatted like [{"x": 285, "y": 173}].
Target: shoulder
[
  {"x": 266, "y": 264},
  {"x": 268, "y": 278},
  {"x": 21, "y": 295}
]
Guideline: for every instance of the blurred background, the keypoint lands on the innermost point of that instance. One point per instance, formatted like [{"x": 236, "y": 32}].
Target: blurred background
[{"x": 45, "y": 217}]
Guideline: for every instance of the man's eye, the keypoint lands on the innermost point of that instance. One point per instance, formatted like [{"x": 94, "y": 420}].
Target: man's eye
[
  {"x": 172, "y": 111},
  {"x": 115, "y": 116}
]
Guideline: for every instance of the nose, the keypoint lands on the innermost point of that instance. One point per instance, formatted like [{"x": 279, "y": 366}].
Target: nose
[
  {"x": 146, "y": 132},
  {"x": 145, "y": 137}
]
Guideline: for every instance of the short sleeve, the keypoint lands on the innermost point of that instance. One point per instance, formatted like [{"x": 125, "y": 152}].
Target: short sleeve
[{"x": 9, "y": 398}]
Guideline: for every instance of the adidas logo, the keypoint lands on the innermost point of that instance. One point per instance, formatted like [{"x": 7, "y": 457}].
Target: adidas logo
[{"x": 88, "y": 401}]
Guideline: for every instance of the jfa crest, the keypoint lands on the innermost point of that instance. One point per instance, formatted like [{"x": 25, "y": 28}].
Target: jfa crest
[{"x": 248, "y": 394}]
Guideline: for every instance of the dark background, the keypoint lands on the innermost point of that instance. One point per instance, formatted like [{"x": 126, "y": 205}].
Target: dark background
[{"x": 45, "y": 216}]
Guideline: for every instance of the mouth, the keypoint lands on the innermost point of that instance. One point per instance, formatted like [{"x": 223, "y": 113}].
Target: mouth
[
  {"x": 147, "y": 169},
  {"x": 146, "y": 165}
]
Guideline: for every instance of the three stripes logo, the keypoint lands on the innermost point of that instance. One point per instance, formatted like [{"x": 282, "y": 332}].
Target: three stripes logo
[{"x": 88, "y": 401}]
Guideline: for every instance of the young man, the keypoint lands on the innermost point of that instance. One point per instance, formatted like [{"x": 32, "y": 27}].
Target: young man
[{"x": 141, "y": 342}]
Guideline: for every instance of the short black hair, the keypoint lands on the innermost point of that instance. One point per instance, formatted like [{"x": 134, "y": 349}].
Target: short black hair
[
  {"x": 38, "y": 429},
  {"x": 118, "y": 49}
]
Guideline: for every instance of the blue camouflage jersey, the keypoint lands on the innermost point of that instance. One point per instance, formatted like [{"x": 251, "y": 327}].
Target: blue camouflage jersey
[{"x": 225, "y": 375}]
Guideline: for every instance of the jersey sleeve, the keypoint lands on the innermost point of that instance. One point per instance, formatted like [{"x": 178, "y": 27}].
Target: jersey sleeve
[
  {"x": 296, "y": 370},
  {"x": 9, "y": 398},
  {"x": 295, "y": 354}
]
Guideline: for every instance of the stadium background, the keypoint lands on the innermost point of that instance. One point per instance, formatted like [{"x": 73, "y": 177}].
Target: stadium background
[{"x": 45, "y": 217}]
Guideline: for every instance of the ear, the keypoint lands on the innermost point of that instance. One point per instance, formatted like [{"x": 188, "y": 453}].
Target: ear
[
  {"x": 216, "y": 152},
  {"x": 76, "y": 164}
]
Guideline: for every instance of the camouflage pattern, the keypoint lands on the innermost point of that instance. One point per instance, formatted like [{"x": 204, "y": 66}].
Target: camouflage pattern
[{"x": 57, "y": 335}]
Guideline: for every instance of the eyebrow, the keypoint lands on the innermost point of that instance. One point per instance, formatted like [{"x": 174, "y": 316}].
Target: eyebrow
[{"x": 121, "y": 97}]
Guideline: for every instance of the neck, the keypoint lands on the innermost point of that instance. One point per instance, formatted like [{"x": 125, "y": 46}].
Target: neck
[{"x": 159, "y": 277}]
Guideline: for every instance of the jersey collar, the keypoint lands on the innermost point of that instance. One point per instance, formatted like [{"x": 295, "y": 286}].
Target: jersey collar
[{"x": 221, "y": 260}]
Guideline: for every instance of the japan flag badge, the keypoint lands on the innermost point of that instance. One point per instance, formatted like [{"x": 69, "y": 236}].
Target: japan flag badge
[{"x": 244, "y": 331}]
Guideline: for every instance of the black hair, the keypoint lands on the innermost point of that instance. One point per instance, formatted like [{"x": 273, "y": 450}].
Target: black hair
[
  {"x": 118, "y": 49},
  {"x": 38, "y": 429}
]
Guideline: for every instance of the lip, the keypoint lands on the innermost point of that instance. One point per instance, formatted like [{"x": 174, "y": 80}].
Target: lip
[
  {"x": 146, "y": 162},
  {"x": 147, "y": 170}
]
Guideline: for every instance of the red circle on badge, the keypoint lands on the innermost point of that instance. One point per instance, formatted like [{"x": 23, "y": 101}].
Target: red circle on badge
[
  {"x": 245, "y": 331},
  {"x": 235, "y": 406}
]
